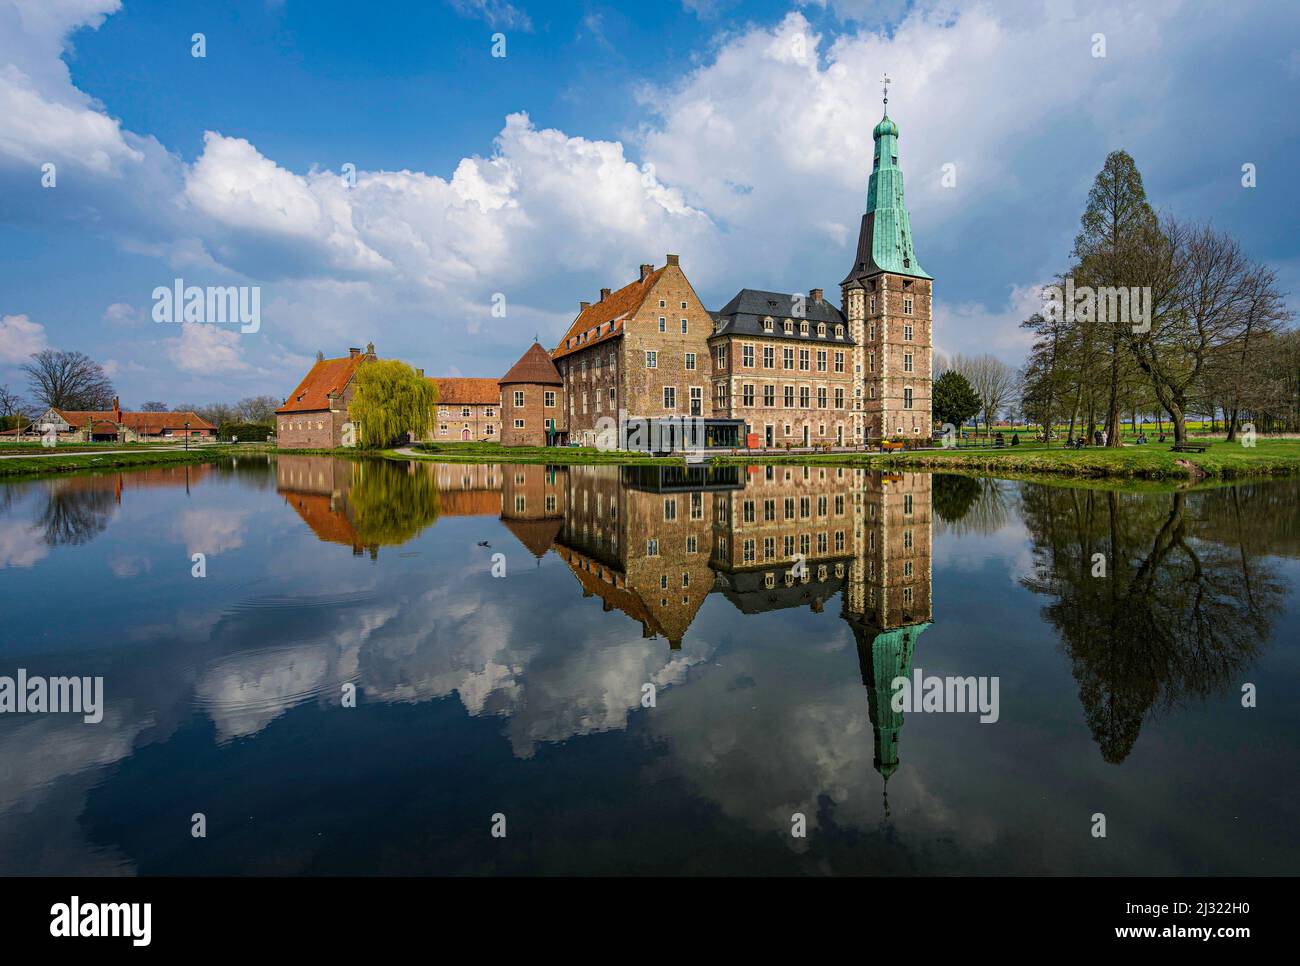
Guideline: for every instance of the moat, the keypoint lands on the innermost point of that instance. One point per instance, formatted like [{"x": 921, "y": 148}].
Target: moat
[{"x": 647, "y": 670}]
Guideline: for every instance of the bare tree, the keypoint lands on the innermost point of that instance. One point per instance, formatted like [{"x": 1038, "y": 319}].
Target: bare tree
[
  {"x": 68, "y": 380},
  {"x": 153, "y": 406},
  {"x": 992, "y": 379},
  {"x": 258, "y": 409},
  {"x": 1199, "y": 306}
]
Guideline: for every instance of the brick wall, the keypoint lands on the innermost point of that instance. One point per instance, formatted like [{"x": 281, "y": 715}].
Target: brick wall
[{"x": 534, "y": 412}]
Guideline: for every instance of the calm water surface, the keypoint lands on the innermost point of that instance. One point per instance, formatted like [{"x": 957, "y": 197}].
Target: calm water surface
[{"x": 525, "y": 694}]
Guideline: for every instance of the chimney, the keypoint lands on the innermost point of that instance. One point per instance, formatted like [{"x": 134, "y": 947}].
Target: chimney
[
  {"x": 583, "y": 306},
  {"x": 816, "y": 294},
  {"x": 117, "y": 411},
  {"x": 646, "y": 270},
  {"x": 354, "y": 352},
  {"x": 604, "y": 294},
  {"x": 672, "y": 260}
]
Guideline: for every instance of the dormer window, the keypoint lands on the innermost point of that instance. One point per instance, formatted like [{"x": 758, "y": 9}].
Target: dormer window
[
  {"x": 839, "y": 331},
  {"x": 767, "y": 324},
  {"x": 803, "y": 328},
  {"x": 821, "y": 330},
  {"x": 789, "y": 327}
]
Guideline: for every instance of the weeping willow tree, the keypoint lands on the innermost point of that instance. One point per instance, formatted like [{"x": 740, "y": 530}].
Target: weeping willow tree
[
  {"x": 391, "y": 400},
  {"x": 392, "y": 502}
]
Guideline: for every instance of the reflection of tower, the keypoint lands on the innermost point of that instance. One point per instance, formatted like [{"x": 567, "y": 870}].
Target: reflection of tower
[
  {"x": 533, "y": 501},
  {"x": 888, "y": 601}
]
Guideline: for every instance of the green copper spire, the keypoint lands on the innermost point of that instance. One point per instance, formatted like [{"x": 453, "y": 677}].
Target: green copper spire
[{"x": 885, "y": 241}]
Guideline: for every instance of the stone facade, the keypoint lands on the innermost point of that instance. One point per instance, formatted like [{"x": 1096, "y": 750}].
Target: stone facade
[
  {"x": 790, "y": 379},
  {"x": 894, "y": 316},
  {"x": 642, "y": 350}
]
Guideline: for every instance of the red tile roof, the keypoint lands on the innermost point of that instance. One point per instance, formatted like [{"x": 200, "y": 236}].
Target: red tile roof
[
  {"x": 534, "y": 367},
  {"x": 604, "y": 320},
  {"x": 326, "y": 376},
  {"x": 467, "y": 391},
  {"x": 145, "y": 424}
]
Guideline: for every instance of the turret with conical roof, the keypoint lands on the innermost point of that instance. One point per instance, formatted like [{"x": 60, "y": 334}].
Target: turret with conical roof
[{"x": 532, "y": 413}]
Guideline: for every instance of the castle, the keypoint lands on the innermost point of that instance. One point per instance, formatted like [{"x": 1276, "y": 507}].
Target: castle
[{"x": 768, "y": 369}]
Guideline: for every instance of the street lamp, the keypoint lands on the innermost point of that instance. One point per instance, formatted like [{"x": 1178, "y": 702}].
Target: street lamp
[{"x": 187, "y": 437}]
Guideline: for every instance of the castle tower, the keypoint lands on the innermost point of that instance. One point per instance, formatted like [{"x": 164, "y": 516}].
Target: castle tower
[{"x": 887, "y": 298}]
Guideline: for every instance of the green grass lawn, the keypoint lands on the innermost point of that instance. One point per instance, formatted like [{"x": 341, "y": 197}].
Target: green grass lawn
[
  {"x": 1154, "y": 461},
  {"x": 81, "y": 460},
  {"x": 1150, "y": 461}
]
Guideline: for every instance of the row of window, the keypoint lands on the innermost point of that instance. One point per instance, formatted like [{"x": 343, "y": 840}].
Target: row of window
[
  {"x": 748, "y": 357},
  {"x": 747, "y": 396},
  {"x": 465, "y": 412},
  {"x": 548, "y": 398},
  {"x": 907, "y": 305},
  {"x": 769, "y": 325}
]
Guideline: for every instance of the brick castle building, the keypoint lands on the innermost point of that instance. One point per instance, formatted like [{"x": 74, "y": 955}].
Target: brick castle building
[{"x": 770, "y": 369}]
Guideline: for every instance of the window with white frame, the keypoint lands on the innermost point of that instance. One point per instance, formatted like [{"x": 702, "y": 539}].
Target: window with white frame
[
  {"x": 651, "y": 359},
  {"x": 690, "y": 362},
  {"x": 519, "y": 399},
  {"x": 670, "y": 397}
]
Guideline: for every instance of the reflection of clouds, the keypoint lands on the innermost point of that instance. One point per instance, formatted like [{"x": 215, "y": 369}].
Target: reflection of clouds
[
  {"x": 210, "y": 530},
  {"x": 129, "y": 565},
  {"x": 762, "y": 754},
  {"x": 22, "y": 544},
  {"x": 37, "y": 753},
  {"x": 244, "y": 693},
  {"x": 1010, "y": 547}
]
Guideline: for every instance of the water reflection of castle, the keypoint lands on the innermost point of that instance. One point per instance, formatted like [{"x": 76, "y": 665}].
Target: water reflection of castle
[{"x": 653, "y": 542}]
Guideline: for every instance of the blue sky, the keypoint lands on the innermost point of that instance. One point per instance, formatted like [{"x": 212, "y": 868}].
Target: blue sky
[{"x": 736, "y": 134}]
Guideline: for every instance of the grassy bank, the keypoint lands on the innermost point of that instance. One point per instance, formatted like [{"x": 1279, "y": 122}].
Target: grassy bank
[
  {"x": 1154, "y": 461},
  {"x": 1221, "y": 461},
  {"x": 1151, "y": 462},
  {"x": 83, "y": 461}
]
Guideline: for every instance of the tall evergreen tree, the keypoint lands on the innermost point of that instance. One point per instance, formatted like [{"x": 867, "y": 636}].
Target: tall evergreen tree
[{"x": 1115, "y": 224}]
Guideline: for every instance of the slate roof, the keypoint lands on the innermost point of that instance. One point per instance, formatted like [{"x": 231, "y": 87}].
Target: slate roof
[
  {"x": 745, "y": 313},
  {"x": 326, "y": 376},
  {"x": 604, "y": 320},
  {"x": 467, "y": 391},
  {"x": 535, "y": 368}
]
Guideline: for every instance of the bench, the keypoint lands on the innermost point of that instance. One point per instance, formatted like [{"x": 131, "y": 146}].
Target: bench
[
  {"x": 1191, "y": 447},
  {"x": 889, "y": 445}
]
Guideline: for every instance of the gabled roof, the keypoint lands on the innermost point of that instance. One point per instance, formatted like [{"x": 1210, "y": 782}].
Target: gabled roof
[
  {"x": 138, "y": 422},
  {"x": 326, "y": 376},
  {"x": 746, "y": 312},
  {"x": 534, "y": 367},
  {"x": 604, "y": 320},
  {"x": 154, "y": 423},
  {"x": 467, "y": 391}
]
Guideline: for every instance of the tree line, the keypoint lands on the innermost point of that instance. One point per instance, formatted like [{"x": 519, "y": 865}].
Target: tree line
[
  {"x": 74, "y": 381},
  {"x": 1206, "y": 330}
]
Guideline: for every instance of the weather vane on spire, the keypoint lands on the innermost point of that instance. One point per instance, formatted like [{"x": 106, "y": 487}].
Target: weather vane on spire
[{"x": 886, "y": 93}]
